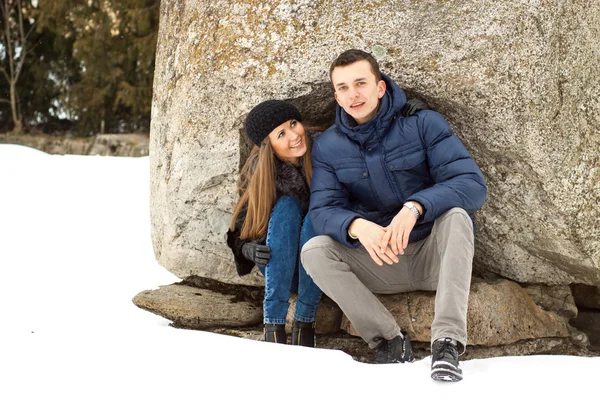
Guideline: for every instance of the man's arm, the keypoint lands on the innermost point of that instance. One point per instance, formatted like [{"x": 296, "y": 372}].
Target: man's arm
[
  {"x": 458, "y": 180},
  {"x": 330, "y": 213},
  {"x": 329, "y": 202}
]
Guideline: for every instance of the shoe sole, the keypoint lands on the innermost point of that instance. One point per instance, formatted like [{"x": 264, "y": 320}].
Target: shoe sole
[{"x": 445, "y": 375}]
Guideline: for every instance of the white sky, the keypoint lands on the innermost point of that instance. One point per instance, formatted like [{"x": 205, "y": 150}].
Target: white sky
[{"x": 75, "y": 249}]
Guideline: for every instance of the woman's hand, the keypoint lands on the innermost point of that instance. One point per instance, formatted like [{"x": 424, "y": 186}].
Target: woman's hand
[{"x": 257, "y": 253}]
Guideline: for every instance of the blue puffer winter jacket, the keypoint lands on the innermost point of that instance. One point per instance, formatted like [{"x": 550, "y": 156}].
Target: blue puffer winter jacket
[{"x": 371, "y": 170}]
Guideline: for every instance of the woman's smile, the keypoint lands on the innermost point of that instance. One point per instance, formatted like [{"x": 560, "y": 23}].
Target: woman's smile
[{"x": 297, "y": 144}]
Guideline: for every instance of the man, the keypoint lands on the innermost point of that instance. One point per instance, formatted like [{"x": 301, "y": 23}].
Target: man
[{"x": 391, "y": 198}]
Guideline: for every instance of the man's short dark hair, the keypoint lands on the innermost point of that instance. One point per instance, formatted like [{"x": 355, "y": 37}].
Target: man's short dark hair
[{"x": 353, "y": 55}]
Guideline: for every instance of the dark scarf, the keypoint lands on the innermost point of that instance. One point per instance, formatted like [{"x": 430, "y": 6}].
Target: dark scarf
[{"x": 291, "y": 181}]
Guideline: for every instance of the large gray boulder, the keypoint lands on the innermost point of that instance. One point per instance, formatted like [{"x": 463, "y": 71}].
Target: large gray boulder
[{"x": 518, "y": 83}]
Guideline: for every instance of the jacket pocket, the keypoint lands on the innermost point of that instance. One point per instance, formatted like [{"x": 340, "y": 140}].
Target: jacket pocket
[
  {"x": 404, "y": 162},
  {"x": 411, "y": 173},
  {"x": 350, "y": 175},
  {"x": 357, "y": 183}
]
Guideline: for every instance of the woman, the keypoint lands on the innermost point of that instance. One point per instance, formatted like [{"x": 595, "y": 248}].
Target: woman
[{"x": 269, "y": 224}]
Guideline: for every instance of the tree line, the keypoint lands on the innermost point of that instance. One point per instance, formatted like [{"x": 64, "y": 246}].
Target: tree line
[{"x": 77, "y": 66}]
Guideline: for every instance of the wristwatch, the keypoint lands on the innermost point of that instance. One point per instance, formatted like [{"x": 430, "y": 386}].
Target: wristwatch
[{"x": 413, "y": 208}]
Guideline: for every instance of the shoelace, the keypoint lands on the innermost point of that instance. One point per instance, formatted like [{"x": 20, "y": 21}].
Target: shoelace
[{"x": 445, "y": 346}]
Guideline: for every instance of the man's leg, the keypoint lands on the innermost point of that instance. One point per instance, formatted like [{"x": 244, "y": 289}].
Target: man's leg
[
  {"x": 445, "y": 263},
  {"x": 447, "y": 256},
  {"x": 350, "y": 277}
]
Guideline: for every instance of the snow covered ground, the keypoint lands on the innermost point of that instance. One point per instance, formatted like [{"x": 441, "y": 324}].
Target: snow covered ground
[{"x": 75, "y": 248}]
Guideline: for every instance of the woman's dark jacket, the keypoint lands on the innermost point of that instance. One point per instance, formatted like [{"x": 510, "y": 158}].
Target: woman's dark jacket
[{"x": 290, "y": 181}]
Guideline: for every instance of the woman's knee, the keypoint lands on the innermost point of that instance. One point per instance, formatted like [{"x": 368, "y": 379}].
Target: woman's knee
[
  {"x": 286, "y": 217},
  {"x": 288, "y": 205}
]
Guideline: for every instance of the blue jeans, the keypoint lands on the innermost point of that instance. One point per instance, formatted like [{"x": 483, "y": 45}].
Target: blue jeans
[{"x": 288, "y": 231}]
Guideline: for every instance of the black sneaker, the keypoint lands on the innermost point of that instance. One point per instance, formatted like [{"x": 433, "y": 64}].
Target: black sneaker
[
  {"x": 444, "y": 360},
  {"x": 397, "y": 350},
  {"x": 275, "y": 333},
  {"x": 303, "y": 334}
]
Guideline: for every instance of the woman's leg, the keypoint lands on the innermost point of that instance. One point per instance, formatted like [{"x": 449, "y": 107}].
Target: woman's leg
[
  {"x": 283, "y": 235},
  {"x": 309, "y": 293}
]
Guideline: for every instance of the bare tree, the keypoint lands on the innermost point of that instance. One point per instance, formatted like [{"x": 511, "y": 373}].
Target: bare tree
[{"x": 13, "y": 40}]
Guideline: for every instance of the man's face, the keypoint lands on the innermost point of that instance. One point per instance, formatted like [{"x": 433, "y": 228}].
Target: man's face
[{"x": 357, "y": 90}]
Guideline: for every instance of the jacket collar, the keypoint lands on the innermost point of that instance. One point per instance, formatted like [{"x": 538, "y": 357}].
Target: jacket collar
[{"x": 373, "y": 131}]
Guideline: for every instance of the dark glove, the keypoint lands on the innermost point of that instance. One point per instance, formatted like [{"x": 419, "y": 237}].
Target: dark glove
[{"x": 257, "y": 253}]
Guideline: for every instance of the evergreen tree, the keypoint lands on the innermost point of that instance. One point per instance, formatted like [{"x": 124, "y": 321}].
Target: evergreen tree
[
  {"x": 113, "y": 46},
  {"x": 46, "y": 73},
  {"x": 140, "y": 28}
]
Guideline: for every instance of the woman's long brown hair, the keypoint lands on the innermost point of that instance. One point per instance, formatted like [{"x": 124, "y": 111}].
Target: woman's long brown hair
[{"x": 257, "y": 191}]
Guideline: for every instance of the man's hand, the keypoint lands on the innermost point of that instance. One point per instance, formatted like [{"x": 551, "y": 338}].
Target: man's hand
[
  {"x": 398, "y": 231},
  {"x": 371, "y": 235}
]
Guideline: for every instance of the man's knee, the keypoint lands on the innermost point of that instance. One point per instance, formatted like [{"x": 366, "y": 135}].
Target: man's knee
[
  {"x": 454, "y": 219},
  {"x": 315, "y": 251}
]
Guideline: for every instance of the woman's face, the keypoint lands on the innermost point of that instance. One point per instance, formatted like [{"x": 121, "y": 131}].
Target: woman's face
[{"x": 289, "y": 141}]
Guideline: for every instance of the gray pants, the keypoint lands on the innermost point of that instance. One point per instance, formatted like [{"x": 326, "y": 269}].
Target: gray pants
[{"x": 441, "y": 262}]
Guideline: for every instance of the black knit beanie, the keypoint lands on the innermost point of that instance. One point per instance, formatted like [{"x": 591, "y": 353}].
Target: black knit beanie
[{"x": 267, "y": 116}]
